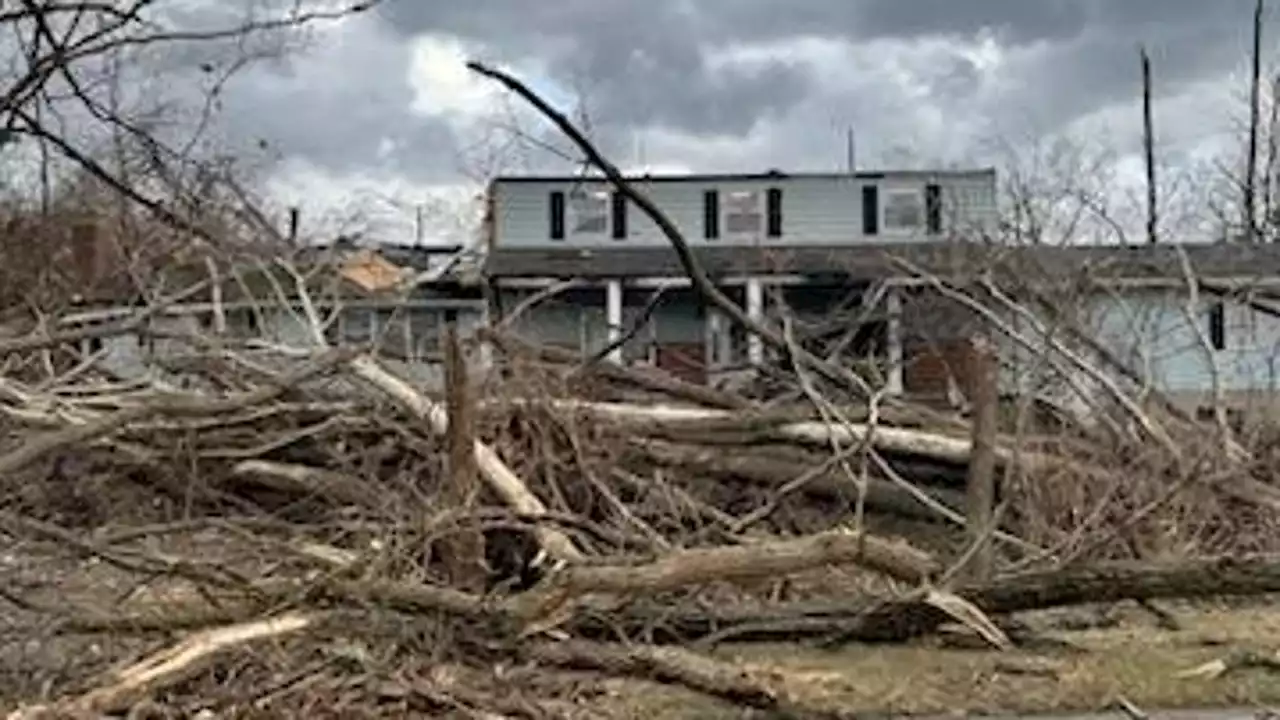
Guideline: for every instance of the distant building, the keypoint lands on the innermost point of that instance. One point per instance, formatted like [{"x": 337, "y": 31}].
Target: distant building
[
  {"x": 398, "y": 309},
  {"x": 834, "y": 253}
]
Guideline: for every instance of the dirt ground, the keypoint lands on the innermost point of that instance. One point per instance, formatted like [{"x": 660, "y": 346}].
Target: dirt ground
[
  {"x": 1072, "y": 668},
  {"x": 1081, "y": 660}
]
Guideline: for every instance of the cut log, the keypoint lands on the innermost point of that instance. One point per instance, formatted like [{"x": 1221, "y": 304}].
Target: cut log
[
  {"x": 897, "y": 620},
  {"x": 933, "y": 445},
  {"x": 552, "y": 601},
  {"x": 771, "y": 468}
]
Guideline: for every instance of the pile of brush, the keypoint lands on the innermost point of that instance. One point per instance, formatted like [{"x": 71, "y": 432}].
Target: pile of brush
[{"x": 303, "y": 528}]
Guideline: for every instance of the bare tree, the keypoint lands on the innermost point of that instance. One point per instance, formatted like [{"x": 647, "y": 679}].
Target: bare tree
[{"x": 112, "y": 142}]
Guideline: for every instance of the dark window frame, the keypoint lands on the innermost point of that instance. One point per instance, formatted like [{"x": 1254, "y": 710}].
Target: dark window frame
[
  {"x": 711, "y": 214},
  {"x": 618, "y": 216},
  {"x": 933, "y": 209},
  {"x": 773, "y": 212},
  {"x": 556, "y": 210},
  {"x": 870, "y": 209},
  {"x": 1218, "y": 325}
]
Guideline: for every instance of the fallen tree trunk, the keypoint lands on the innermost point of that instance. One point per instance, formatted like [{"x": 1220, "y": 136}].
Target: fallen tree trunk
[
  {"x": 672, "y": 422},
  {"x": 553, "y": 601},
  {"x": 774, "y": 469},
  {"x": 556, "y": 596},
  {"x": 132, "y": 684},
  {"x": 897, "y": 620},
  {"x": 304, "y": 480}
]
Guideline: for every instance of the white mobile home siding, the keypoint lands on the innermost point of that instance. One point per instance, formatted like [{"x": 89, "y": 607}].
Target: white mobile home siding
[{"x": 821, "y": 210}]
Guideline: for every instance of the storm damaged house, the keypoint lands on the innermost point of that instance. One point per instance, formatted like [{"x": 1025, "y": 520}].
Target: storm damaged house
[
  {"x": 772, "y": 242},
  {"x": 852, "y": 262}
]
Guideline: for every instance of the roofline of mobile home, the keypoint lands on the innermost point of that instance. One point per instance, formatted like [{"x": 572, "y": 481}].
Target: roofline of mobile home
[{"x": 763, "y": 176}]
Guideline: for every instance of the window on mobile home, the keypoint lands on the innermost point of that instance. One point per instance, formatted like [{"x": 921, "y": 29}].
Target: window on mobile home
[
  {"x": 589, "y": 212},
  {"x": 773, "y": 206},
  {"x": 742, "y": 212},
  {"x": 903, "y": 210}
]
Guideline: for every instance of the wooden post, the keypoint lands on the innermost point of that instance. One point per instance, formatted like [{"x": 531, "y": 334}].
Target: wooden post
[
  {"x": 463, "y": 553},
  {"x": 984, "y": 396}
]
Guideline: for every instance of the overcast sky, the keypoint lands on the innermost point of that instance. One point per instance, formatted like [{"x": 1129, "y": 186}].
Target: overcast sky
[{"x": 382, "y": 105}]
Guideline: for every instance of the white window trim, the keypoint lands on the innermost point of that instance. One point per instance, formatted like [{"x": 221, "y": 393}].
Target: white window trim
[
  {"x": 726, "y": 204},
  {"x": 574, "y": 199},
  {"x": 888, "y": 192}
]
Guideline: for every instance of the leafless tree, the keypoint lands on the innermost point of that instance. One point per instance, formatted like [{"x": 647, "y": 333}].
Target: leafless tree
[{"x": 111, "y": 104}]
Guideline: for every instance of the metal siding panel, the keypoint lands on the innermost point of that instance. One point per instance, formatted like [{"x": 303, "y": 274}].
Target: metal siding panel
[{"x": 815, "y": 210}]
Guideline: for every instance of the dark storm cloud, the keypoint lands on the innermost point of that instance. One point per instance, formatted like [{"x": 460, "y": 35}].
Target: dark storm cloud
[
  {"x": 648, "y": 59},
  {"x": 650, "y": 64},
  {"x": 1020, "y": 20},
  {"x": 644, "y": 63},
  {"x": 337, "y": 104}
]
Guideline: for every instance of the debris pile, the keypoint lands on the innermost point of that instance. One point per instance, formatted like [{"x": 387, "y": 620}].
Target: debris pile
[{"x": 293, "y": 528}]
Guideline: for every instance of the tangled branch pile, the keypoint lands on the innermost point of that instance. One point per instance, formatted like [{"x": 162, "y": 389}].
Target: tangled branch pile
[{"x": 382, "y": 550}]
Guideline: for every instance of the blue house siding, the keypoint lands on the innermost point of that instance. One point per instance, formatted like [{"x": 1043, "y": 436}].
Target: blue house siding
[
  {"x": 1165, "y": 340},
  {"x": 1170, "y": 346}
]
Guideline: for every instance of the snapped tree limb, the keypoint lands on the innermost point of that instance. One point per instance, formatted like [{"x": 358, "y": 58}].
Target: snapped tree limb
[{"x": 500, "y": 478}]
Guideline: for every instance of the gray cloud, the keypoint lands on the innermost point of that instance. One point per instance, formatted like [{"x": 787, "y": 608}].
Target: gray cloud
[
  {"x": 335, "y": 99},
  {"x": 646, "y": 66},
  {"x": 1019, "y": 20},
  {"x": 646, "y": 62}
]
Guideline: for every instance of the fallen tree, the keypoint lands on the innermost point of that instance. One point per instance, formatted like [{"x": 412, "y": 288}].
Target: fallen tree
[
  {"x": 894, "y": 620},
  {"x": 724, "y": 427}
]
